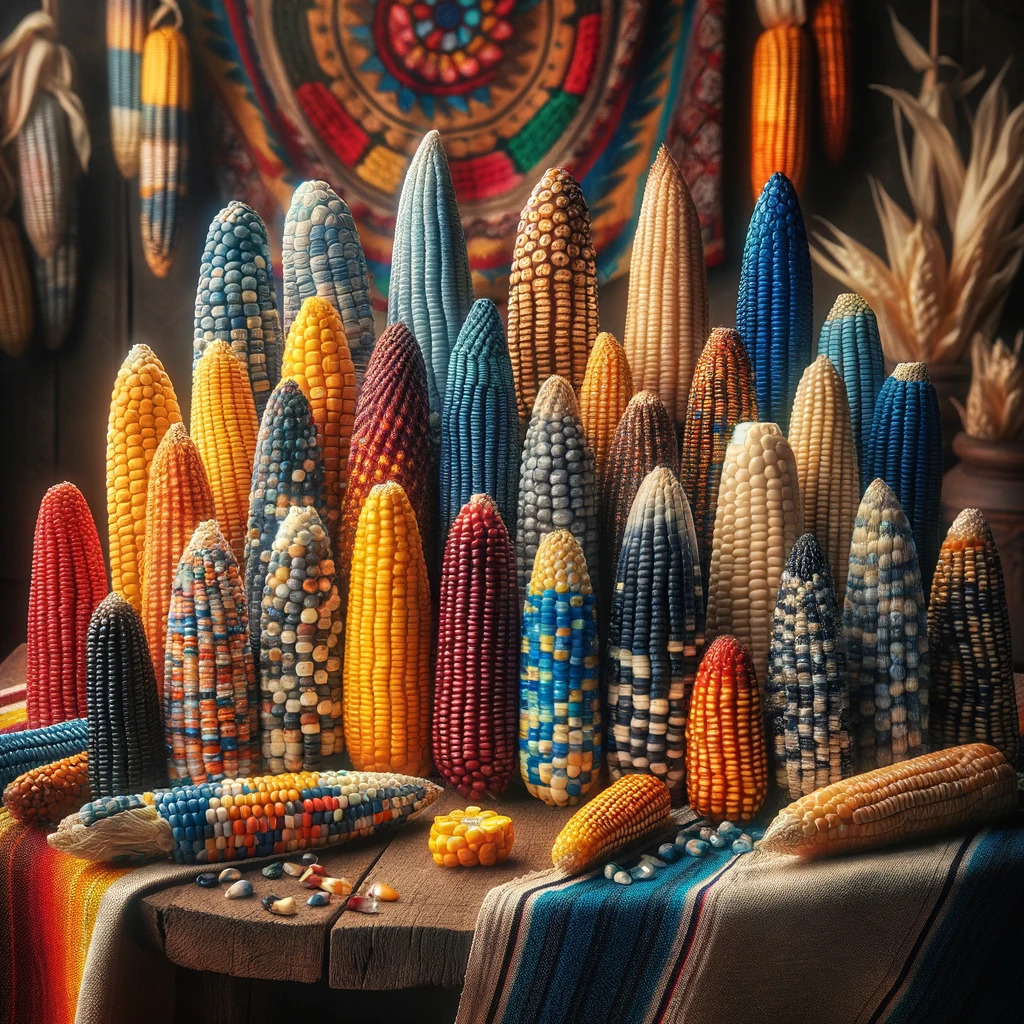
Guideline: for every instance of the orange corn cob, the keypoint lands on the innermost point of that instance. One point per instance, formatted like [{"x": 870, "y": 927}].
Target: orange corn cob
[
  {"x": 45, "y": 795},
  {"x": 604, "y": 394},
  {"x": 830, "y": 30}
]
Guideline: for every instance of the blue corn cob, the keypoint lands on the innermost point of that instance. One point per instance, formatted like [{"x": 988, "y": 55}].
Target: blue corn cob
[
  {"x": 22, "y": 751},
  {"x": 56, "y": 279},
  {"x": 126, "y": 35},
  {"x": 774, "y": 305}
]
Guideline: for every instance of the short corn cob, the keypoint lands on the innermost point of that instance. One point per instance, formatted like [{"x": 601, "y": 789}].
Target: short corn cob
[
  {"x": 388, "y": 639},
  {"x": 300, "y": 648},
  {"x": 657, "y": 635},
  {"x": 954, "y": 789},
  {"x": 17, "y": 314},
  {"x": 628, "y": 810},
  {"x": 808, "y": 703},
  {"x": 224, "y": 426},
  {"x": 480, "y": 420},
  {"x": 476, "y": 679},
  {"x": 471, "y": 838},
  {"x": 972, "y": 694},
  {"x": 552, "y": 291},
  {"x": 45, "y": 795},
  {"x": 56, "y": 280},
  {"x": 45, "y": 172},
  {"x": 821, "y": 435},
  {"x": 126, "y": 36},
  {"x": 142, "y": 406},
  {"x": 166, "y": 92},
  {"x": 774, "y": 308},
  {"x": 722, "y": 395},
  {"x": 726, "y": 755},
  {"x": 759, "y": 517},
  {"x": 236, "y": 301},
  {"x": 831, "y": 32},
  {"x": 20, "y": 752},
  {"x": 906, "y": 452},
  {"x": 125, "y": 753},
  {"x": 886, "y": 630},
  {"x": 604, "y": 394},
  {"x": 560, "y": 727},
  {"x": 667, "y": 305},
  {"x": 68, "y": 580},
  {"x": 210, "y": 701}
]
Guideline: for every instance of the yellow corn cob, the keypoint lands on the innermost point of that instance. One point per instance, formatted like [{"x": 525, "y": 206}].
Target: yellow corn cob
[
  {"x": 604, "y": 394},
  {"x": 17, "y": 316},
  {"x": 471, "y": 838},
  {"x": 629, "y": 809},
  {"x": 45, "y": 795},
  {"x": 142, "y": 407},
  {"x": 224, "y": 428},
  {"x": 46, "y": 173}
]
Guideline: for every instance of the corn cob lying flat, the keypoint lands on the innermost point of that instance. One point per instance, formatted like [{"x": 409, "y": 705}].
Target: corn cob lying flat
[
  {"x": 604, "y": 394},
  {"x": 45, "y": 171},
  {"x": 56, "y": 281},
  {"x": 126, "y": 36},
  {"x": 68, "y": 580},
  {"x": 20, "y": 752},
  {"x": 45, "y": 795},
  {"x": 955, "y": 789},
  {"x": 831, "y": 33},
  {"x": 17, "y": 312}
]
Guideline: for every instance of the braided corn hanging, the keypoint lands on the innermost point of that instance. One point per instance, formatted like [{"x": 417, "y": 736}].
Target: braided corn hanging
[
  {"x": 45, "y": 171},
  {"x": 17, "y": 312},
  {"x": 831, "y": 33},
  {"x": 604, "y": 394},
  {"x": 21, "y": 752},
  {"x": 126, "y": 36}
]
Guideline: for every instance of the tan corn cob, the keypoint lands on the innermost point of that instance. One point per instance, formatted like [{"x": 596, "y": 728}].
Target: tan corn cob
[
  {"x": 45, "y": 173},
  {"x": 604, "y": 394},
  {"x": 17, "y": 315}
]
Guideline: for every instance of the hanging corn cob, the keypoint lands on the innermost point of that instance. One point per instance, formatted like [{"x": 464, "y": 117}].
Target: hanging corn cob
[
  {"x": 604, "y": 394},
  {"x": 388, "y": 639},
  {"x": 20, "y": 752},
  {"x": 560, "y": 728},
  {"x": 830, "y": 30},
  {"x": 774, "y": 306},
  {"x": 56, "y": 279},
  {"x": 45, "y": 795},
  {"x": 17, "y": 315},
  {"x": 46, "y": 173},
  {"x": 972, "y": 695},
  {"x": 476, "y": 680},
  {"x": 126, "y": 35},
  {"x": 142, "y": 407},
  {"x": 667, "y": 305},
  {"x": 552, "y": 288}
]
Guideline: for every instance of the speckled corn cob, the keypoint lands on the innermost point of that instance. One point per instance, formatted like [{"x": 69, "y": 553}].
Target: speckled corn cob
[
  {"x": 885, "y": 626},
  {"x": 726, "y": 756},
  {"x": 321, "y": 255},
  {"x": 142, "y": 407},
  {"x": 300, "y": 648},
  {"x": 17, "y": 314},
  {"x": 821, "y": 435},
  {"x": 656, "y": 637},
  {"x": 68, "y": 580},
  {"x": 560, "y": 727},
  {"x": 604, "y": 394},
  {"x": 476, "y": 679},
  {"x": 45, "y": 795},
  {"x": 56, "y": 280},
  {"x": 831, "y": 33},
  {"x": 210, "y": 701},
  {"x": 667, "y": 306},
  {"x": 480, "y": 420},
  {"x": 972, "y": 694},
  {"x": 236, "y": 301},
  {"x": 774, "y": 306},
  {"x": 552, "y": 288},
  {"x": 808, "y": 704},
  {"x": 388, "y": 639},
  {"x": 126, "y": 36},
  {"x": 123, "y": 703},
  {"x": 20, "y": 752},
  {"x": 45, "y": 173}
]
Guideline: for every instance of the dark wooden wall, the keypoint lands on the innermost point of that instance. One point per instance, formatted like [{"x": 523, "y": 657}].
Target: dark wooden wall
[{"x": 53, "y": 409}]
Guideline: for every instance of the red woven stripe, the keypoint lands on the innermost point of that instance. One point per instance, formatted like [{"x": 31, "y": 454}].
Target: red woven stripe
[
  {"x": 584, "y": 55},
  {"x": 348, "y": 141},
  {"x": 483, "y": 176}
]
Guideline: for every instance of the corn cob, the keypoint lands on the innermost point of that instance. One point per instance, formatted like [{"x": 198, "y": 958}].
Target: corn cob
[
  {"x": 552, "y": 289},
  {"x": 726, "y": 755},
  {"x": 123, "y": 703},
  {"x": 955, "y": 789},
  {"x": 224, "y": 426},
  {"x": 560, "y": 728},
  {"x": 831, "y": 33},
  {"x": 972, "y": 695},
  {"x": 604, "y": 394},
  {"x": 142, "y": 407},
  {"x": 45, "y": 795},
  {"x": 759, "y": 517},
  {"x": 126, "y": 35},
  {"x": 17, "y": 315},
  {"x": 388, "y": 639},
  {"x": 300, "y": 648},
  {"x": 774, "y": 306},
  {"x": 166, "y": 93},
  {"x": 821, "y": 435},
  {"x": 321, "y": 255},
  {"x": 808, "y": 704},
  {"x": 667, "y": 305},
  {"x": 210, "y": 701},
  {"x": 45, "y": 171},
  {"x": 628, "y": 810},
  {"x": 885, "y": 627},
  {"x": 56, "y": 281},
  {"x": 20, "y": 752},
  {"x": 480, "y": 420},
  {"x": 906, "y": 452},
  {"x": 476, "y": 679},
  {"x": 236, "y": 301},
  {"x": 656, "y": 637},
  {"x": 471, "y": 838},
  {"x": 68, "y": 580}
]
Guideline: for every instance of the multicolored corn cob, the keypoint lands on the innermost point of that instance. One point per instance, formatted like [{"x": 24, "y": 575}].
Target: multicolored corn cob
[
  {"x": 774, "y": 307},
  {"x": 20, "y": 752},
  {"x": 832, "y": 36},
  {"x": 657, "y": 635},
  {"x": 476, "y": 678},
  {"x": 808, "y": 704},
  {"x": 604, "y": 394},
  {"x": 17, "y": 312},
  {"x": 726, "y": 755},
  {"x": 667, "y": 305},
  {"x": 972, "y": 694},
  {"x": 552, "y": 288},
  {"x": 45, "y": 795},
  {"x": 126, "y": 36},
  {"x": 68, "y": 580},
  {"x": 885, "y": 625},
  {"x": 142, "y": 406},
  {"x": 560, "y": 727},
  {"x": 56, "y": 280},
  {"x": 388, "y": 639},
  {"x": 45, "y": 173}
]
